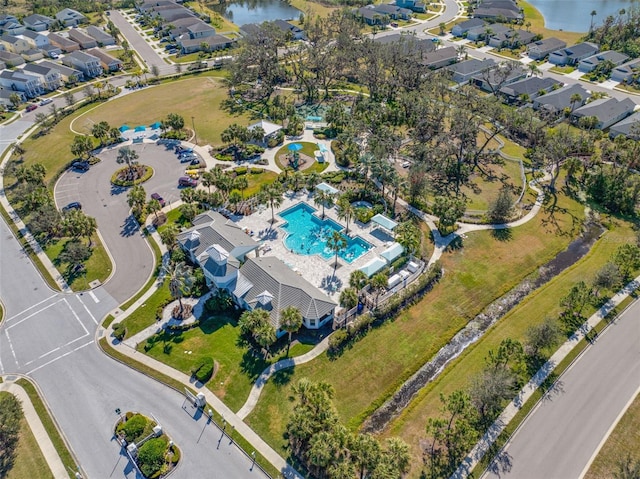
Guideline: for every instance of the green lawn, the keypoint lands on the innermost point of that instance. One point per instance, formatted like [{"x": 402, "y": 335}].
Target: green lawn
[
  {"x": 485, "y": 188},
  {"x": 198, "y": 97},
  {"x": 542, "y": 303},
  {"x": 145, "y": 315},
  {"x": 308, "y": 149},
  {"x": 219, "y": 337},
  {"x": 257, "y": 180},
  {"x": 29, "y": 460},
  {"x": 482, "y": 270}
]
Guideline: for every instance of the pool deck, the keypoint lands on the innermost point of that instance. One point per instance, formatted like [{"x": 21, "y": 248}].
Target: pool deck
[{"x": 314, "y": 268}]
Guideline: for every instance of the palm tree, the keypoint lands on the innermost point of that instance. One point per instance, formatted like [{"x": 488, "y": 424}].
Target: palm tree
[
  {"x": 180, "y": 280},
  {"x": 153, "y": 206},
  {"x": 291, "y": 322},
  {"x": 348, "y": 298},
  {"x": 379, "y": 284},
  {"x": 136, "y": 198},
  {"x": 593, "y": 14},
  {"x": 208, "y": 180},
  {"x": 272, "y": 194},
  {"x": 575, "y": 99},
  {"x": 265, "y": 336},
  {"x": 358, "y": 279},
  {"x": 100, "y": 131},
  {"x": 336, "y": 243},
  {"x": 323, "y": 198},
  {"x": 408, "y": 235},
  {"x": 345, "y": 210},
  {"x": 313, "y": 179},
  {"x": 130, "y": 158}
]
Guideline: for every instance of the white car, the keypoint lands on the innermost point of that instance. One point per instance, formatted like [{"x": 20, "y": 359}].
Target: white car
[
  {"x": 406, "y": 164},
  {"x": 46, "y": 101}
]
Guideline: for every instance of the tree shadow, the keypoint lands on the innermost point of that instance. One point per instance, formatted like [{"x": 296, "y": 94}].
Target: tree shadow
[
  {"x": 503, "y": 234},
  {"x": 455, "y": 244},
  {"x": 502, "y": 461},
  {"x": 283, "y": 377},
  {"x": 252, "y": 364},
  {"x": 130, "y": 226}
]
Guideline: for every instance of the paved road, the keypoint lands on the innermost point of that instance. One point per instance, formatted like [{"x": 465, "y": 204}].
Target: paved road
[
  {"x": 130, "y": 252},
  {"x": 561, "y": 435},
  {"x": 50, "y": 337},
  {"x": 139, "y": 44}
]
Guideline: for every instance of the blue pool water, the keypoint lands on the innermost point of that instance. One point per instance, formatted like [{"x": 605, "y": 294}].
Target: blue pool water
[{"x": 308, "y": 234}]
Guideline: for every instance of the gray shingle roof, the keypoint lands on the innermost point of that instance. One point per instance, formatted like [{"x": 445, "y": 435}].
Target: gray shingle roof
[
  {"x": 287, "y": 288},
  {"x": 528, "y": 86},
  {"x": 471, "y": 66},
  {"x": 559, "y": 99},
  {"x": 605, "y": 108}
]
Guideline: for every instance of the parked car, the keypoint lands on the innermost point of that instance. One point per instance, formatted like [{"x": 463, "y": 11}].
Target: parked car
[
  {"x": 54, "y": 55},
  {"x": 195, "y": 162},
  {"x": 406, "y": 164},
  {"x": 187, "y": 181},
  {"x": 32, "y": 107},
  {"x": 192, "y": 173},
  {"x": 183, "y": 149},
  {"x": 46, "y": 101},
  {"x": 158, "y": 198},
  {"x": 75, "y": 205},
  {"x": 80, "y": 165},
  {"x": 187, "y": 159}
]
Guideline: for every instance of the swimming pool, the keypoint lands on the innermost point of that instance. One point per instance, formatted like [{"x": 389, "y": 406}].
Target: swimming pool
[{"x": 307, "y": 234}]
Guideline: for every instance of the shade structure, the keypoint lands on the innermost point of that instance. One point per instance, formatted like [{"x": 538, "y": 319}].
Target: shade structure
[
  {"x": 124, "y": 128},
  {"x": 156, "y": 125},
  {"x": 386, "y": 223},
  {"x": 327, "y": 188},
  {"x": 373, "y": 266},
  {"x": 392, "y": 252},
  {"x": 140, "y": 128},
  {"x": 295, "y": 147}
]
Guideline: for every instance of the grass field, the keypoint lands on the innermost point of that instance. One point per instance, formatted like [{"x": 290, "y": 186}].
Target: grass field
[
  {"x": 145, "y": 315},
  {"x": 199, "y": 97},
  {"x": 29, "y": 460},
  {"x": 483, "y": 269},
  {"x": 624, "y": 441},
  {"x": 219, "y": 337},
  {"x": 542, "y": 303}
]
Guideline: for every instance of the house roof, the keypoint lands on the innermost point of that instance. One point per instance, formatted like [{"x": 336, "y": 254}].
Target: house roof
[
  {"x": 63, "y": 69},
  {"x": 69, "y": 14},
  {"x": 471, "y": 23},
  {"x": 200, "y": 26},
  {"x": 327, "y": 188},
  {"x": 269, "y": 275},
  {"x": 496, "y": 12},
  {"x": 529, "y": 86},
  {"x": 496, "y": 28},
  {"x": 628, "y": 67},
  {"x": 408, "y": 43},
  {"x": 211, "y": 228},
  {"x": 31, "y": 34},
  {"x": 37, "y": 18},
  {"x": 103, "y": 56},
  {"x": 495, "y": 76},
  {"x": 548, "y": 44},
  {"x": 268, "y": 127},
  {"x": 373, "y": 266},
  {"x": 609, "y": 55},
  {"x": 439, "y": 55},
  {"x": 10, "y": 57},
  {"x": 386, "y": 223},
  {"x": 392, "y": 252},
  {"x": 60, "y": 40},
  {"x": 509, "y": 35},
  {"x": 584, "y": 48},
  {"x": 82, "y": 56},
  {"x": 630, "y": 126},
  {"x": 80, "y": 36},
  {"x": 38, "y": 68},
  {"x": 472, "y": 65},
  {"x": 98, "y": 33},
  {"x": 286, "y": 26},
  {"x": 17, "y": 75},
  {"x": 9, "y": 38},
  {"x": 561, "y": 98},
  {"x": 605, "y": 109}
]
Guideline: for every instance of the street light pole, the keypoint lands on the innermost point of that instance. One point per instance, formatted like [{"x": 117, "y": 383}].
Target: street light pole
[{"x": 195, "y": 135}]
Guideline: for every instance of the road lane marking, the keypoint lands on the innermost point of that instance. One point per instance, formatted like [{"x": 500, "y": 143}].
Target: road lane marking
[
  {"x": 42, "y": 356},
  {"x": 33, "y": 314},
  {"x": 1, "y": 367},
  {"x": 94, "y": 297},
  {"x": 31, "y": 307},
  {"x": 59, "y": 357},
  {"x": 11, "y": 347},
  {"x": 76, "y": 315},
  {"x": 87, "y": 309}
]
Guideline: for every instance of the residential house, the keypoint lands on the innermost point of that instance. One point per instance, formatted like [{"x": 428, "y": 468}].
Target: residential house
[
  {"x": 268, "y": 283},
  {"x": 10, "y": 25},
  {"x": 494, "y": 79},
  {"x": 506, "y": 10},
  {"x": 167, "y": 9},
  {"x": 511, "y": 39},
  {"x": 32, "y": 55},
  {"x": 413, "y": 5},
  {"x": 626, "y": 71},
  {"x": 607, "y": 111},
  {"x": 392, "y": 11},
  {"x": 480, "y": 32},
  {"x": 2, "y": 66},
  {"x": 439, "y": 58},
  {"x": 462, "y": 28},
  {"x": 87, "y": 64},
  {"x": 100, "y": 36},
  {"x": 5, "y": 97},
  {"x": 37, "y": 22},
  {"x": 70, "y": 17},
  {"x": 541, "y": 49},
  {"x": 218, "y": 246},
  {"x": 35, "y": 39},
  {"x": 181, "y": 27},
  {"x": 63, "y": 43},
  {"x": 408, "y": 45},
  {"x": 14, "y": 44},
  {"x": 249, "y": 29},
  {"x": 67, "y": 74},
  {"x": 49, "y": 76},
  {"x": 215, "y": 42},
  {"x": 51, "y": 51},
  {"x": 148, "y": 5},
  {"x": 7, "y": 18},
  {"x": 17, "y": 80},
  {"x": 591, "y": 63},
  {"x": 169, "y": 16},
  {"x": 462, "y": 72},
  {"x": 108, "y": 63},
  {"x": 528, "y": 89},
  {"x": 629, "y": 127},
  {"x": 371, "y": 17},
  {"x": 11, "y": 59},
  {"x": 292, "y": 31},
  {"x": 199, "y": 29},
  {"x": 81, "y": 38},
  {"x": 574, "y": 54},
  {"x": 558, "y": 100},
  {"x": 270, "y": 129}
]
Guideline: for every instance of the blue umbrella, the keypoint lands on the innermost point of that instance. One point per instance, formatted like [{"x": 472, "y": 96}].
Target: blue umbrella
[
  {"x": 295, "y": 147},
  {"x": 140, "y": 128},
  {"x": 124, "y": 128},
  {"x": 156, "y": 125}
]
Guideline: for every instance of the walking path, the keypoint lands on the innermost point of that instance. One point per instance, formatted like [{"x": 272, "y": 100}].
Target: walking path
[
  {"x": 37, "y": 428},
  {"x": 480, "y": 449}
]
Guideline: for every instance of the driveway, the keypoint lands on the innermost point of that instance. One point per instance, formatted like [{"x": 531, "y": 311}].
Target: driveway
[
  {"x": 131, "y": 255},
  {"x": 565, "y": 430}
]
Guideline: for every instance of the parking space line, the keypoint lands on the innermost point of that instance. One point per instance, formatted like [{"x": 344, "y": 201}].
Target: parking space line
[
  {"x": 33, "y": 314},
  {"x": 95, "y": 298},
  {"x": 11, "y": 347},
  {"x": 31, "y": 307},
  {"x": 59, "y": 357}
]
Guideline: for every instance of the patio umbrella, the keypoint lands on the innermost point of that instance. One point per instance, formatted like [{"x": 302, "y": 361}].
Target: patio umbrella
[
  {"x": 295, "y": 147},
  {"x": 156, "y": 125},
  {"x": 124, "y": 128},
  {"x": 140, "y": 128}
]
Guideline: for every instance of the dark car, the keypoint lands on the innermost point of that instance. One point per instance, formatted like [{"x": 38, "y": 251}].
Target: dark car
[
  {"x": 187, "y": 159},
  {"x": 31, "y": 107},
  {"x": 75, "y": 205},
  {"x": 195, "y": 162},
  {"x": 187, "y": 181},
  {"x": 158, "y": 198},
  {"x": 80, "y": 165}
]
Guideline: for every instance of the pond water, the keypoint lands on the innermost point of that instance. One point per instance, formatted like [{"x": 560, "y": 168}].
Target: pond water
[
  {"x": 575, "y": 15},
  {"x": 242, "y": 12}
]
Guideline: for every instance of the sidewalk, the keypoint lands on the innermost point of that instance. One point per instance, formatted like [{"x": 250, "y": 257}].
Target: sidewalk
[
  {"x": 37, "y": 428},
  {"x": 480, "y": 449}
]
